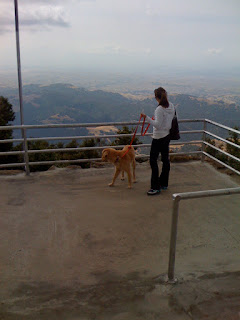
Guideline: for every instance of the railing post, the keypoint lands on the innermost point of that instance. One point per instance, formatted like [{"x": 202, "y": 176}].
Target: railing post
[
  {"x": 25, "y": 146},
  {"x": 204, "y": 139},
  {"x": 173, "y": 240}
]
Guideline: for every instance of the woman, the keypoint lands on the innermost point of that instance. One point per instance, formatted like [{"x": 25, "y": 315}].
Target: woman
[{"x": 162, "y": 122}]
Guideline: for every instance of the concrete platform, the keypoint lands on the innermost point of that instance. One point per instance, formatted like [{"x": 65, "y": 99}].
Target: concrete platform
[{"x": 73, "y": 248}]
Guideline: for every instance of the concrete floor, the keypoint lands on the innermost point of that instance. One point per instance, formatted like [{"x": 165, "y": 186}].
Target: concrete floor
[{"x": 73, "y": 248}]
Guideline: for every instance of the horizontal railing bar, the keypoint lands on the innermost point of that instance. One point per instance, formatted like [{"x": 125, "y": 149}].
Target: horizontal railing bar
[
  {"x": 69, "y": 149},
  {"x": 11, "y": 140},
  {"x": 222, "y": 163},
  {"x": 222, "y": 126},
  {"x": 10, "y": 153},
  {"x": 90, "y": 137},
  {"x": 205, "y": 193},
  {"x": 224, "y": 140},
  {"x": 9, "y": 165},
  {"x": 222, "y": 151},
  {"x": 84, "y": 125},
  {"x": 186, "y": 142},
  {"x": 191, "y": 131},
  {"x": 87, "y": 137},
  {"x": 89, "y": 148},
  {"x": 98, "y": 136},
  {"x": 77, "y": 161},
  {"x": 87, "y": 160},
  {"x": 74, "y": 137},
  {"x": 69, "y": 125},
  {"x": 184, "y": 153}
]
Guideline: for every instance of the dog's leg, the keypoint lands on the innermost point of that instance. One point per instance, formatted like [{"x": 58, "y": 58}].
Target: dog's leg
[
  {"x": 122, "y": 178},
  {"x": 117, "y": 171},
  {"x": 134, "y": 167},
  {"x": 129, "y": 177}
]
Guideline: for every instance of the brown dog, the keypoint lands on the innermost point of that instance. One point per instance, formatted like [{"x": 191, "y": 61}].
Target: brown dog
[{"x": 121, "y": 163}]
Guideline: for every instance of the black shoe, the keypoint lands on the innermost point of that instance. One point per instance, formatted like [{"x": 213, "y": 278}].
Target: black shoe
[{"x": 152, "y": 192}]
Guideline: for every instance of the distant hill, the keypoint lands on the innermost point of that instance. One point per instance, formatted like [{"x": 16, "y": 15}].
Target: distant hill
[{"x": 65, "y": 103}]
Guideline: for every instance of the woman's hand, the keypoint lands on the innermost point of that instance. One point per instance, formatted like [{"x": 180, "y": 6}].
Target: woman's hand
[{"x": 143, "y": 115}]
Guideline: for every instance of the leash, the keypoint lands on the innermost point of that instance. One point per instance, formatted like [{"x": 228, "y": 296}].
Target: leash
[{"x": 142, "y": 134}]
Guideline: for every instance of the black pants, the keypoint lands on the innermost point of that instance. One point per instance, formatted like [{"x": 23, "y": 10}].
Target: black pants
[{"x": 160, "y": 146}]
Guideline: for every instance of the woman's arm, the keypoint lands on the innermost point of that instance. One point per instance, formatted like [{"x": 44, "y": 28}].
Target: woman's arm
[{"x": 157, "y": 122}]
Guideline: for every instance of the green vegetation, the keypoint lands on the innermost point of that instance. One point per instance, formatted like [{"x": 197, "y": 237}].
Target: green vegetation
[
  {"x": 66, "y": 155},
  {"x": 233, "y": 150},
  {"x": 6, "y": 115},
  {"x": 233, "y": 137},
  {"x": 125, "y": 140},
  {"x": 62, "y": 155}
]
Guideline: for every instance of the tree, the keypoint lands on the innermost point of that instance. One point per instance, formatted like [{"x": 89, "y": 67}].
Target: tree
[
  {"x": 6, "y": 115},
  {"x": 233, "y": 137},
  {"x": 125, "y": 140},
  {"x": 210, "y": 150},
  {"x": 87, "y": 154}
]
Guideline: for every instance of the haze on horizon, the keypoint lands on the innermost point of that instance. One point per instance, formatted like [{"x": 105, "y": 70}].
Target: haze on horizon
[{"x": 122, "y": 35}]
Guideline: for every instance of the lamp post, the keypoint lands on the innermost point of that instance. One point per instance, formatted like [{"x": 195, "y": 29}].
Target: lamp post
[{"x": 25, "y": 146}]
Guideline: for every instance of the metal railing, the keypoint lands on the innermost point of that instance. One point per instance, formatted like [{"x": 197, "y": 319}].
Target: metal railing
[
  {"x": 177, "y": 197},
  {"x": 26, "y": 152},
  {"x": 80, "y": 125}
]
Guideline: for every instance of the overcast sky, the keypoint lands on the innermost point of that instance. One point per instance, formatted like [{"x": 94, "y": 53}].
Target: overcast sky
[{"x": 122, "y": 34}]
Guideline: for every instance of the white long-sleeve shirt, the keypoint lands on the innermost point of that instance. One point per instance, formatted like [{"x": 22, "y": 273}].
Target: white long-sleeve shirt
[{"x": 162, "y": 121}]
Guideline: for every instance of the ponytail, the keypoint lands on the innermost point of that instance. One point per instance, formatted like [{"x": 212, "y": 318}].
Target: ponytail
[{"x": 161, "y": 94}]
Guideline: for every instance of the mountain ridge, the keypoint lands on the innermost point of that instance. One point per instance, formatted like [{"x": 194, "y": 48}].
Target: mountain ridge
[{"x": 66, "y": 103}]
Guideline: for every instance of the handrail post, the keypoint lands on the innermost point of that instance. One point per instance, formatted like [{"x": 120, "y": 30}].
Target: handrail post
[
  {"x": 176, "y": 199},
  {"x": 173, "y": 240},
  {"x": 25, "y": 146},
  {"x": 204, "y": 139}
]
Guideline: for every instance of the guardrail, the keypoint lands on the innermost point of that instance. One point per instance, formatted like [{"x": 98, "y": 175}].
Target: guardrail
[
  {"x": 177, "y": 197},
  {"x": 26, "y": 152},
  {"x": 79, "y": 125}
]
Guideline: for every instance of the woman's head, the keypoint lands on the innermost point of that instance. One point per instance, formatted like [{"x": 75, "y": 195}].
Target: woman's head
[{"x": 161, "y": 96}]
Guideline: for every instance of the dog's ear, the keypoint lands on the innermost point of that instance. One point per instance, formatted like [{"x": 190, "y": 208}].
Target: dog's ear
[{"x": 105, "y": 153}]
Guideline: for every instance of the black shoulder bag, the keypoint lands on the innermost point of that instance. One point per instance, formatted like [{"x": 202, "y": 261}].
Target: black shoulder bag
[{"x": 174, "y": 131}]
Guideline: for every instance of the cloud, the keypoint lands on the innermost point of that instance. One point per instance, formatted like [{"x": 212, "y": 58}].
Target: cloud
[
  {"x": 33, "y": 2},
  {"x": 214, "y": 51},
  {"x": 44, "y": 15},
  {"x": 33, "y": 15}
]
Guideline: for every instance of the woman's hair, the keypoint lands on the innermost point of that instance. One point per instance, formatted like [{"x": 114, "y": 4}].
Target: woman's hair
[{"x": 161, "y": 94}]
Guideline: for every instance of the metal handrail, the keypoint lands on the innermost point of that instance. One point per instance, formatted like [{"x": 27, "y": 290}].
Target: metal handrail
[
  {"x": 9, "y": 165},
  {"x": 221, "y": 162},
  {"x": 90, "y": 137},
  {"x": 106, "y": 136},
  {"x": 222, "y": 126},
  {"x": 177, "y": 197},
  {"x": 222, "y": 151},
  {"x": 84, "y": 125},
  {"x": 223, "y": 140}
]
